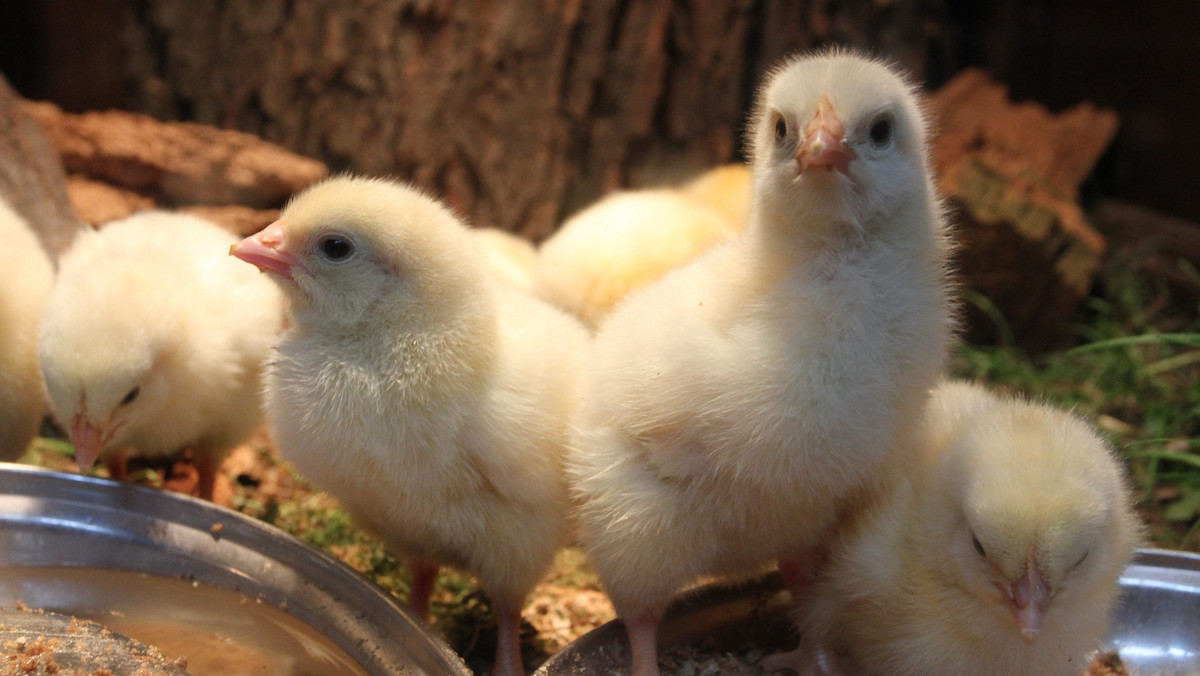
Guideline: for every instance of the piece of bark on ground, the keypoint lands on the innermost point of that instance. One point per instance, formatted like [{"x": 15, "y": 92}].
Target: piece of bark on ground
[
  {"x": 1011, "y": 174},
  {"x": 178, "y": 163}
]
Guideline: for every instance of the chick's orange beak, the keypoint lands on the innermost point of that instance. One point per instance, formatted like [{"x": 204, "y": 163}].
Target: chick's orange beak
[
  {"x": 264, "y": 250},
  {"x": 89, "y": 439},
  {"x": 1028, "y": 597},
  {"x": 824, "y": 145}
]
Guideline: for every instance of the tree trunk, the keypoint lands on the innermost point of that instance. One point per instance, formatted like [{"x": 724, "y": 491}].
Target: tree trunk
[{"x": 518, "y": 113}]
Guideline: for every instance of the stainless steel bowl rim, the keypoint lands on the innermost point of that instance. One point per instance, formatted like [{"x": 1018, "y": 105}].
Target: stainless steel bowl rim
[{"x": 136, "y": 528}]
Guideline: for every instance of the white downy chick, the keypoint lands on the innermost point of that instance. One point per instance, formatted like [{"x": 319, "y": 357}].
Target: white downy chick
[
  {"x": 998, "y": 553},
  {"x": 513, "y": 258},
  {"x": 736, "y": 410},
  {"x": 28, "y": 276},
  {"x": 725, "y": 188},
  {"x": 154, "y": 340},
  {"x": 430, "y": 400},
  {"x": 622, "y": 242}
]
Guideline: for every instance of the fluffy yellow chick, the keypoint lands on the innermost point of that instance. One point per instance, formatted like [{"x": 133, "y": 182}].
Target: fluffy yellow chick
[
  {"x": 998, "y": 553},
  {"x": 153, "y": 340},
  {"x": 513, "y": 259},
  {"x": 28, "y": 277},
  {"x": 431, "y": 401},
  {"x": 725, "y": 188},
  {"x": 620, "y": 243},
  {"x": 734, "y": 411}
]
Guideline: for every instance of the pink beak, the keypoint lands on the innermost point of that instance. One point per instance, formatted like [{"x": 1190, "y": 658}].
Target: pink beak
[
  {"x": 264, "y": 251},
  {"x": 824, "y": 145},
  {"x": 89, "y": 439},
  {"x": 1028, "y": 598}
]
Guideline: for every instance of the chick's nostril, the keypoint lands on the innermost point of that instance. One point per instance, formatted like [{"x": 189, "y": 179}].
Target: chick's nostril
[
  {"x": 271, "y": 236},
  {"x": 823, "y": 150}
]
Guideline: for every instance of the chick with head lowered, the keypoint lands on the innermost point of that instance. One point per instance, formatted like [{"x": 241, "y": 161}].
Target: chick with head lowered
[
  {"x": 428, "y": 396},
  {"x": 736, "y": 411},
  {"x": 153, "y": 341},
  {"x": 998, "y": 552}
]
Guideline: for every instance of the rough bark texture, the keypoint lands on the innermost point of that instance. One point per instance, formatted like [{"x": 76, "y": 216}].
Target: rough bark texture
[
  {"x": 31, "y": 177},
  {"x": 1010, "y": 172},
  {"x": 517, "y": 112},
  {"x": 177, "y": 164},
  {"x": 97, "y": 201},
  {"x": 121, "y": 163},
  {"x": 1011, "y": 175}
]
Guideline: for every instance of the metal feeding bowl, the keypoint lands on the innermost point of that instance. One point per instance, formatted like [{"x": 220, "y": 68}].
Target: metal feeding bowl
[
  {"x": 231, "y": 593},
  {"x": 1156, "y": 626}
]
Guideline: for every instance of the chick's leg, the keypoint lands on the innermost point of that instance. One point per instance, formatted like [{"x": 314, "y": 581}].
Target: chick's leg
[
  {"x": 797, "y": 571},
  {"x": 424, "y": 575},
  {"x": 508, "y": 641},
  {"x": 642, "y": 628},
  {"x": 118, "y": 466},
  {"x": 206, "y": 468},
  {"x": 809, "y": 658}
]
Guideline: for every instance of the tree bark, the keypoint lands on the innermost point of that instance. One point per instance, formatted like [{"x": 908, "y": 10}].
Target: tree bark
[
  {"x": 176, "y": 164},
  {"x": 121, "y": 163},
  {"x": 518, "y": 113},
  {"x": 1010, "y": 173}
]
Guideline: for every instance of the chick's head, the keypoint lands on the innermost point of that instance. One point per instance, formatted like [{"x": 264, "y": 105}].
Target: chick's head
[
  {"x": 1042, "y": 522},
  {"x": 841, "y": 137},
  {"x": 104, "y": 384},
  {"x": 349, "y": 250}
]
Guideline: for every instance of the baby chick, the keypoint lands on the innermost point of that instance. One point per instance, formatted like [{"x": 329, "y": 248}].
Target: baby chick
[
  {"x": 734, "y": 411},
  {"x": 620, "y": 243},
  {"x": 725, "y": 188},
  {"x": 512, "y": 258},
  {"x": 154, "y": 340},
  {"x": 998, "y": 553},
  {"x": 28, "y": 276},
  {"x": 429, "y": 400}
]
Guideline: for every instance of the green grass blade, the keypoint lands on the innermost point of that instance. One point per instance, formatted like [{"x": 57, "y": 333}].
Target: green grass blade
[{"x": 1186, "y": 339}]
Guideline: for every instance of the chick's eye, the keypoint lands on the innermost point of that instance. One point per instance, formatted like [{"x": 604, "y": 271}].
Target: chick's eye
[
  {"x": 978, "y": 546},
  {"x": 781, "y": 129},
  {"x": 133, "y": 394},
  {"x": 336, "y": 248},
  {"x": 881, "y": 132},
  {"x": 1082, "y": 559}
]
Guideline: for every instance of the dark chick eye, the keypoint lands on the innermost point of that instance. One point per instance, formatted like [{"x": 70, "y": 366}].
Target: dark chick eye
[
  {"x": 336, "y": 248},
  {"x": 978, "y": 547},
  {"x": 881, "y": 132},
  {"x": 1082, "y": 559},
  {"x": 781, "y": 129},
  {"x": 133, "y": 394}
]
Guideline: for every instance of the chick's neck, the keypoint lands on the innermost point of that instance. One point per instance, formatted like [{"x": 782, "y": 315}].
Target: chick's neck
[{"x": 448, "y": 352}]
